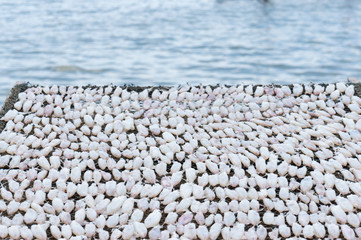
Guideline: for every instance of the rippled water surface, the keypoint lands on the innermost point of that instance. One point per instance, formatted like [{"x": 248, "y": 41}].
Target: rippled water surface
[{"x": 176, "y": 42}]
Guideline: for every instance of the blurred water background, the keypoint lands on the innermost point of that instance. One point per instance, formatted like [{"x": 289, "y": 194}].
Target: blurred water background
[{"x": 173, "y": 42}]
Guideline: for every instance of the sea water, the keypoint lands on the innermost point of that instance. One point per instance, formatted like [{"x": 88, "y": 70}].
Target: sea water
[{"x": 173, "y": 42}]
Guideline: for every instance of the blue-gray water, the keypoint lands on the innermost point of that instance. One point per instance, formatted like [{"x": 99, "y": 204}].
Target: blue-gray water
[{"x": 171, "y": 42}]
